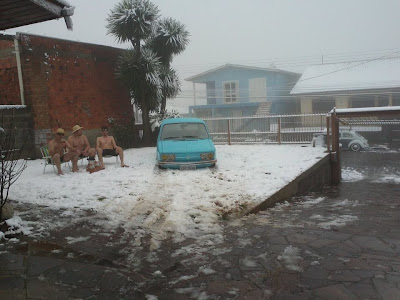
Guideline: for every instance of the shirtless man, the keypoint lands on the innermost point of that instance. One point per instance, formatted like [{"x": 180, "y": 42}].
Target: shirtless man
[
  {"x": 106, "y": 146},
  {"x": 57, "y": 148},
  {"x": 81, "y": 143}
]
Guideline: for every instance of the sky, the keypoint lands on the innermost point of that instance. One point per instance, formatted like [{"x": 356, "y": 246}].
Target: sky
[{"x": 288, "y": 34}]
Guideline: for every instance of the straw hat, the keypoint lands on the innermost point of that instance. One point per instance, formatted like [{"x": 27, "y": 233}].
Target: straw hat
[
  {"x": 60, "y": 131},
  {"x": 76, "y": 128}
]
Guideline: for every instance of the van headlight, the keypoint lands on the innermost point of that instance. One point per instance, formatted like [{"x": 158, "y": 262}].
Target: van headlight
[
  {"x": 167, "y": 157},
  {"x": 207, "y": 156}
]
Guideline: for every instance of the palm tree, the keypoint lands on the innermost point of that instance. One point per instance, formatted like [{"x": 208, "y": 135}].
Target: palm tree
[
  {"x": 134, "y": 21},
  {"x": 146, "y": 68},
  {"x": 140, "y": 73},
  {"x": 170, "y": 38}
]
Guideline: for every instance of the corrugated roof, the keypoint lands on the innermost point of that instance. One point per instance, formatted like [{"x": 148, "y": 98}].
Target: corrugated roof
[
  {"x": 15, "y": 13},
  {"x": 363, "y": 75},
  {"x": 234, "y": 66}
]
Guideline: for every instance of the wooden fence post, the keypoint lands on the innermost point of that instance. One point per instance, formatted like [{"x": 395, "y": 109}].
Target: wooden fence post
[
  {"x": 335, "y": 154},
  {"x": 328, "y": 137},
  {"x": 279, "y": 130},
  {"x": 229, "y": 132}
]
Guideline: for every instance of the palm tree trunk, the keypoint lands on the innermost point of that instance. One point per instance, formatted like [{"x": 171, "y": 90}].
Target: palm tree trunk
[
  {"x": 146, "y": 126},
  {"x": 163, "y": 104}
]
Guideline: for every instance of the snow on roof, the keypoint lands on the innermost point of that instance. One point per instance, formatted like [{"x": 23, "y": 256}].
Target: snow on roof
[
  {"x": 64, "y": 2},
  {"x": 226, "y": 66},
  {"x": 20, "y": 13},
  {"x": 348, "y": 76},
  {"x": 365, "y": 109}
]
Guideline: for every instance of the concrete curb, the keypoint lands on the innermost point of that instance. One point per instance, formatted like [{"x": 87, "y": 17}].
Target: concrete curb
[{"x": 310, "y": 180}]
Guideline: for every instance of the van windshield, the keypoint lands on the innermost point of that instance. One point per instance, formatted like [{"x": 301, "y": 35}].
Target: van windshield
[{"x": 184, "y": 131}]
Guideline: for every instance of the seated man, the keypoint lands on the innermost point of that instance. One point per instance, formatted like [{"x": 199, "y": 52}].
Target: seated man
[
  {"x": 106, "y": 146},
  {"x": 57, "y": 148},
  {"x": 81, "y": 143}
]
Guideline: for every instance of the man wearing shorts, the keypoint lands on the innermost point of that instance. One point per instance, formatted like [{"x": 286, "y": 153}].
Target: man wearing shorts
[
  {"x": 57, "y": 150},
  {"x": 106, "y": 146},
  {"x": 79, "y": 141}
]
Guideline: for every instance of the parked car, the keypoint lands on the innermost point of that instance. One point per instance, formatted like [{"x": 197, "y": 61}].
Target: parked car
[
  {"x": 185, "y": 144},
  {"x": 348, "y": 139}
]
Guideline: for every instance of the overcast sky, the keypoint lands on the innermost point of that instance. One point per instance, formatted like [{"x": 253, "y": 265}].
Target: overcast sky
[{"x": 292, "y": 34}]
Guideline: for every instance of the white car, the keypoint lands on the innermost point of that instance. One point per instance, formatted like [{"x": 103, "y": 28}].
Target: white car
[{"x": 348, "y": 139}]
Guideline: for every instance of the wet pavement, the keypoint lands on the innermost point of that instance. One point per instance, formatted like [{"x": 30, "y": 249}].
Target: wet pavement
[{"x": 340, "y": 243}]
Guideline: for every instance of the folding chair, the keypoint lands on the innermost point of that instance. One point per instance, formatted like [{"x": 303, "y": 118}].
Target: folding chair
[
  {"x": 108, "y": 156},
  {"x": 81, "y": 159},
  {"x": 48, "y": 160}
]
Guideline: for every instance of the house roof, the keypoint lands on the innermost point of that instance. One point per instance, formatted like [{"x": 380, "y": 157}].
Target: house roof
[
  {"x": 197, "y": 78},
  {"x": 350, "y": 76},
  {"x": 15, "y": 13}
]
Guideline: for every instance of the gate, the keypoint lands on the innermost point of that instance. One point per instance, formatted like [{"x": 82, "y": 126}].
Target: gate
[
  {"x": 370, "y": 116},
  {"x": 274, "y": 129}
]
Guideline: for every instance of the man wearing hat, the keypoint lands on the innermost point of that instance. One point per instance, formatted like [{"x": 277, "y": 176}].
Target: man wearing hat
[
  {"x": 80, "y": 142},
  {"x": 58, "y": 151}
]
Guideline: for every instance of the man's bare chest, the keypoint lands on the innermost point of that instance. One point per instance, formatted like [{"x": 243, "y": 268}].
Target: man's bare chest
[
  {"x": 106, "y": 140},
  {"x": 78, "y": 141}
]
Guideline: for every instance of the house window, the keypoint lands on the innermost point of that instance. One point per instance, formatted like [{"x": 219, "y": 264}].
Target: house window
[{"x": 231, "y": 91}]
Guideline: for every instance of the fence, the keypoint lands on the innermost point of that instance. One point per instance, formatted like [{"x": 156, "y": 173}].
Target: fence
[{"x": 266, "y": 129}]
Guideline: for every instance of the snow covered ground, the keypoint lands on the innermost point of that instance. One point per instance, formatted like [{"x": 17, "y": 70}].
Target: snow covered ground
[{"x": 168, "y": 203}]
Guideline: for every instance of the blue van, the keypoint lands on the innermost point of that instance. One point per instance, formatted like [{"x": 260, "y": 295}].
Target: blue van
[{"x": 185, "y": 144}]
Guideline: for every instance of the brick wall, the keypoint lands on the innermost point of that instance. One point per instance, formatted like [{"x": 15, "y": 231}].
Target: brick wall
[
  {"x": 68, "y": 83},
  {"x": 9, "y": 87}
]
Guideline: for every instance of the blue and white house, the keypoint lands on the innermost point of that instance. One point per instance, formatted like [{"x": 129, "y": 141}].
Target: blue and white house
[{"x": 235, "y": 90}]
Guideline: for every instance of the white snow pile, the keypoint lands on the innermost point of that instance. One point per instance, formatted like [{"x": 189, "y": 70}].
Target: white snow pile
[
  {"x": 327, "y": 222},
  {"x": 168, "y": 203},
  {"x": 291, "y": 258},
  {"x": 310, "y": 201},
  {"x": 394, "y": 178},
  {"x": 351, "y": 175},
  {"x": 16, "y": 226},
  {"x": 289, "y": 214},
  {"x": 346, "y": 202}
]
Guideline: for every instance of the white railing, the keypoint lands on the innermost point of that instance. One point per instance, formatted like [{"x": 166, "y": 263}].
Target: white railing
[{"x": 266, "y": 129}]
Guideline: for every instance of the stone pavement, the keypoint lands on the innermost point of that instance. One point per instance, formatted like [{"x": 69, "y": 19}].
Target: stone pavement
[{"x": 341, "y": 243}]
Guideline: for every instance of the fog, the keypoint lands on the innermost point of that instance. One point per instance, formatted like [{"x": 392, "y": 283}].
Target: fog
[{"x": 287, "y": 34}]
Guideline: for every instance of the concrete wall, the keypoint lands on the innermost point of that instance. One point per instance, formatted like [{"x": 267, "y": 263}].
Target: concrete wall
[
  {"x": 312, "y": 179},
  {"x": 342, "y": 101}
]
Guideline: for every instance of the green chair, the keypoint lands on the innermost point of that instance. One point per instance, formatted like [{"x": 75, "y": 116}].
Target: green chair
[{"x": 48, "y": 160}]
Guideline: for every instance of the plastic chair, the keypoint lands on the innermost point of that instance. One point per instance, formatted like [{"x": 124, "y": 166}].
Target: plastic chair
[
  {"x": 48, "y": 160},
  {"x": 108, "y": 156}
]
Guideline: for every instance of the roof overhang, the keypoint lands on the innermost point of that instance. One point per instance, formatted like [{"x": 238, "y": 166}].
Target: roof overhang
[
  {"x": 388, "y": 115},
  {"x": 15, "y": 13},
  {"x": 366, "y": 111}
]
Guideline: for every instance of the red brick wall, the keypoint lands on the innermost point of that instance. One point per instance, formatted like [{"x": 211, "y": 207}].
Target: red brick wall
[
  {"x": 69, "y": 83},
  {"x": 9, "y": 87}
]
